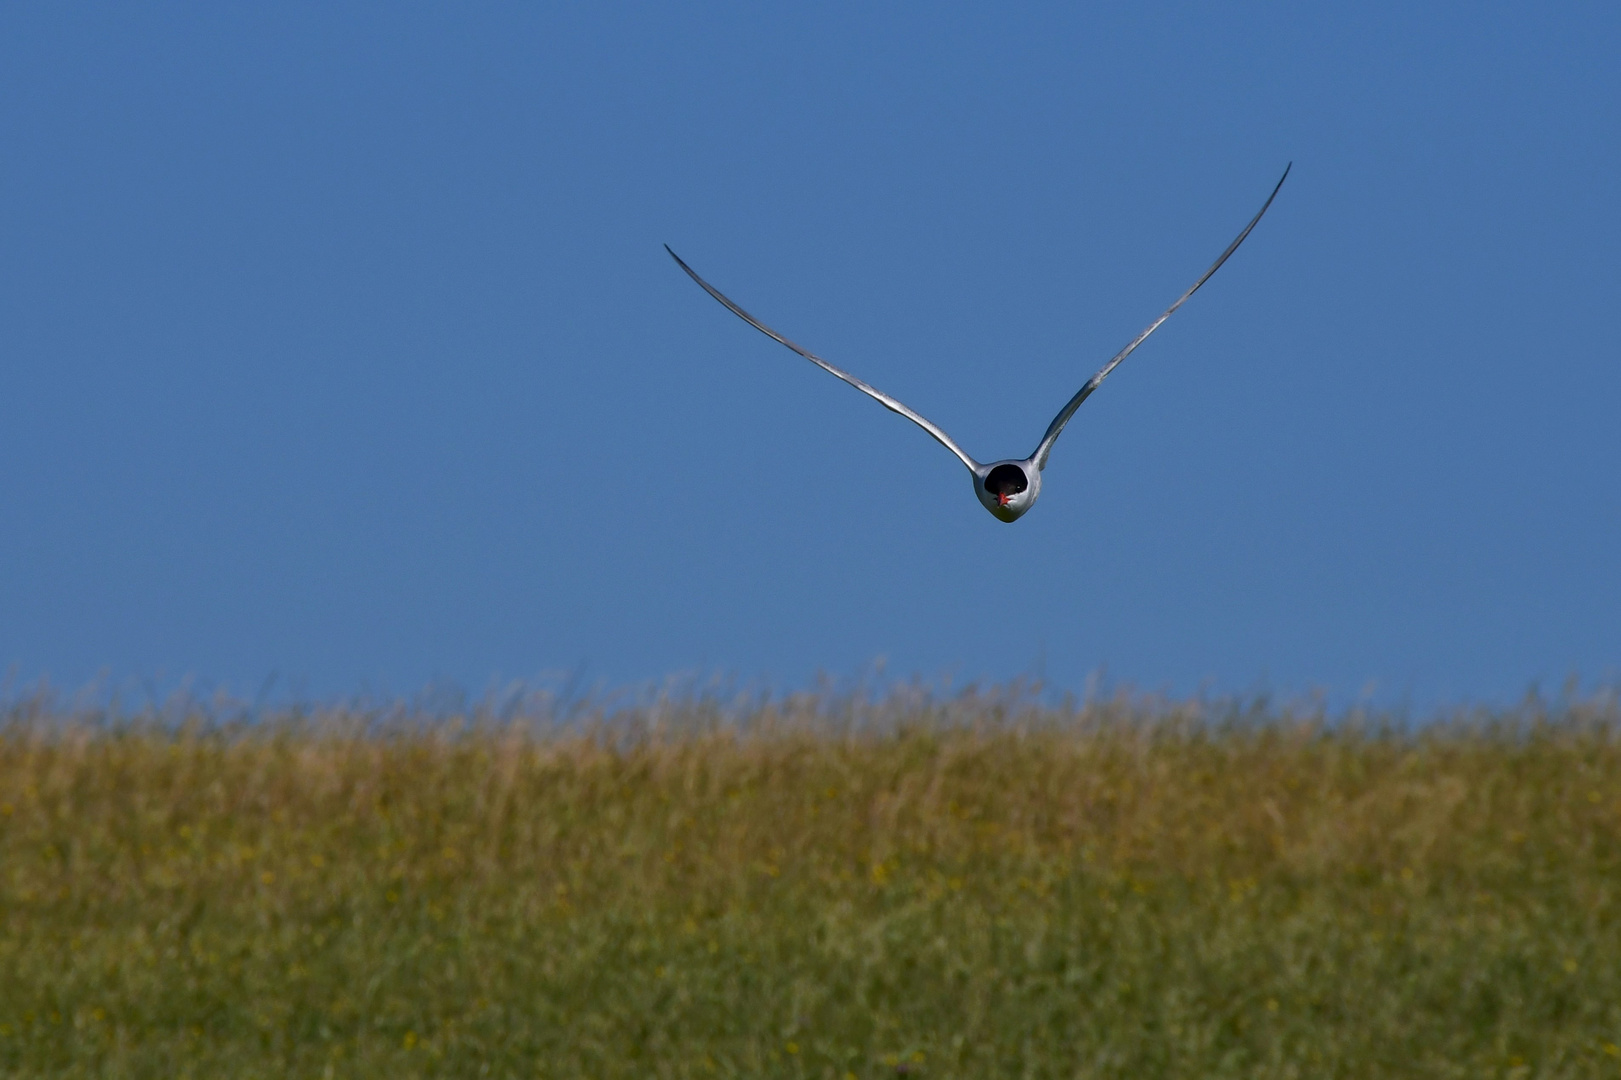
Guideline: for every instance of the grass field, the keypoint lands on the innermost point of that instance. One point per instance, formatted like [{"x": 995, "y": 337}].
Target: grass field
[{"x": 958, "y": 890}]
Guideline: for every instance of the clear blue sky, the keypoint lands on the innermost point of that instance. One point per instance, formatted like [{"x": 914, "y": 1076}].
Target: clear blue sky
[{"x": 337, "y": 343}]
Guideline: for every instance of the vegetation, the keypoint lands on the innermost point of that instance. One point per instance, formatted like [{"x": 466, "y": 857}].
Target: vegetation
[{"x": 962, "y": 889}]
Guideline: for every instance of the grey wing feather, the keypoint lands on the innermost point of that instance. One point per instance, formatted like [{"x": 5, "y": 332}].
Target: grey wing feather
[
  {"x": 1057, "y": 426},
  {"x": 882, "y": 398}
]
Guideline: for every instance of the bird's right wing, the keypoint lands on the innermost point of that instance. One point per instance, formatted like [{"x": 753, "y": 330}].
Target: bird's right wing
[
  {"x": 882, "y": 398},
  {"x": 1057, "y": 426}
]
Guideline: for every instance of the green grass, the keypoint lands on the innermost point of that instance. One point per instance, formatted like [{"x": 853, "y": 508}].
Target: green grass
[{"x": 1120, "y": 892}]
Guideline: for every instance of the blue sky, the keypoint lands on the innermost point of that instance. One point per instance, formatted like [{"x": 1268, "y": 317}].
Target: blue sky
[{"x": 337, "y": 344}]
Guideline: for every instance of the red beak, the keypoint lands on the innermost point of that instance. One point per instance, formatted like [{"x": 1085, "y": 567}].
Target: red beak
[{"x": 1002, "y": 498}]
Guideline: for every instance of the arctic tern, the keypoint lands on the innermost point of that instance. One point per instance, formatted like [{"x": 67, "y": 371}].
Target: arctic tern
[{"x": 1007, "y": 488}]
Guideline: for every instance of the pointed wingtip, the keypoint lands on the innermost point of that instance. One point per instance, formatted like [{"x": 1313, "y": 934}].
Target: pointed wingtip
[
  {"x": 1264, "y": 208},
  {"x": 681, "y": 263}
]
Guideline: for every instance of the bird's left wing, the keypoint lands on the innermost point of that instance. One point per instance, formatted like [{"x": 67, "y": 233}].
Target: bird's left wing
[
  {"x": 882, "y": 398},
  {"x": 1057, "y": 426}
]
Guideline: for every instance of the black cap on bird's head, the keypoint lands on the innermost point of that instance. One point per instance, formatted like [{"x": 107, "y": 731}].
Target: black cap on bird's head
[
  {"x": 1007, "y": 488},
  {"x": 1006, "y": 481}
]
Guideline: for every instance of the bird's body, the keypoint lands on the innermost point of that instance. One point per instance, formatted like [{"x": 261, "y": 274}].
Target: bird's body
[{"x": 1007, "y": 488}]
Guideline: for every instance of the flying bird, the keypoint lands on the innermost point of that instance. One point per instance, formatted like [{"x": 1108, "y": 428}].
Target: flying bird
[{"x": 1007, "y": 488}]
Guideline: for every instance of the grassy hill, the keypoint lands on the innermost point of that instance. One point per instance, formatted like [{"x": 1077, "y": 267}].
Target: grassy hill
[{"x": 950, "y": 890}]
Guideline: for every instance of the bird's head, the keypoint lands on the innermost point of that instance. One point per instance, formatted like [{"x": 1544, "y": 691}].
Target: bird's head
[{"x": 1008, "y": 488}]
